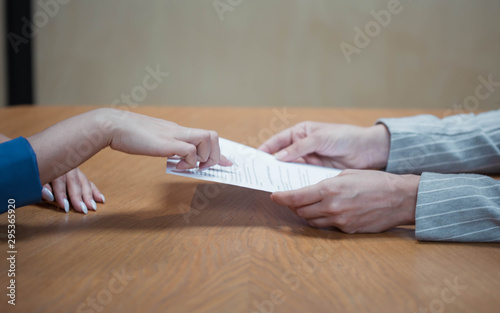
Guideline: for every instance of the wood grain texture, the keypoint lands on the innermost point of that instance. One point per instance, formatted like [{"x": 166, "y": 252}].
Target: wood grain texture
[{"x": 180, "y": 245}]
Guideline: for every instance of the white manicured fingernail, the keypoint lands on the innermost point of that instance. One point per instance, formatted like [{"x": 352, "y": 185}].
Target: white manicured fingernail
[
  {"x": 47, "y": 195},
  {"x": 84, "y": 207},
  {"x": 66, "y": 205},
  {"x": 94, "y": 205},
  {"x": 103, "y": 199},
  {"x": 281, "y": 155}
]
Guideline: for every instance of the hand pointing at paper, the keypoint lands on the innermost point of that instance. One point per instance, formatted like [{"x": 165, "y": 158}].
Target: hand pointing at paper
[
  {"x": 126, "y": 132},
  {"x": 59, "y": 149}
]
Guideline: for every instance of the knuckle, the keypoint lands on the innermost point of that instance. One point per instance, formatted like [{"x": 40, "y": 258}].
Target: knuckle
[
  {"x": 327, "y": 210},
  {"x": 210, "y": 162},
  {"x": 327, "y": 188},
  {"x": 72, "y": 180},
  {"x": 342, "y": 223},
  {"x": 191, "y": 150},
  {"x": 301, "y": 124},
  {"x": 204, "y": 158},
  {"x": 323, "y": 189},
  {"x": 205, "y": 135},
  {"x": 294, "y": 198},
  {"x": 214, "y": 134}
]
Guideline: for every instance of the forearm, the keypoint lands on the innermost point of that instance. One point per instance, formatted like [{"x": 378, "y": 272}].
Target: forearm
[{"x": 64, "y": 146}]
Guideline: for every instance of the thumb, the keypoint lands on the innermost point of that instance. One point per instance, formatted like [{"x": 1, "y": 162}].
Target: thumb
[{"x": 297, "y": 149}]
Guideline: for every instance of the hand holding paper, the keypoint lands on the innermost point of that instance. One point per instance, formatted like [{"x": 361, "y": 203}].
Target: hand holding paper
[{"x": 256, "y": 170}]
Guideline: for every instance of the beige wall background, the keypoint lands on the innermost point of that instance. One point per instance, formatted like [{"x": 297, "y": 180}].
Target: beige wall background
[{"x": 268, "y": 53}]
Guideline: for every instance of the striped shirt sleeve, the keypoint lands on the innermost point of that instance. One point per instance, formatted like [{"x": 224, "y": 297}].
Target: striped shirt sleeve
[
  {"x": 458, "y": 207},
  {"x": 451, "y": 207},
  {"x": 456, "y": 144}
]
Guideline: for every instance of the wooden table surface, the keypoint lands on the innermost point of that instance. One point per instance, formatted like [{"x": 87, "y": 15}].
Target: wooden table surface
[{"x": 169, "y": 244}]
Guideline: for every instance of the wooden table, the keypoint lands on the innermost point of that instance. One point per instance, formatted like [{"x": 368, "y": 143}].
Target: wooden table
[{"x": 170, "y": 244}]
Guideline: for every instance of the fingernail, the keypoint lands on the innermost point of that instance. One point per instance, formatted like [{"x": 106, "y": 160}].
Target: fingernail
[
  {"x": 84, "y": 207},
  {"x": 47, "y": 195},
  {"x": 233, "y": 163},
  {"x": 281, "y": 155},
  {"x": 178, "y": 168},
  {"x": 201, "y": 169},
  {"x": 94, "y": 205},
  {"x": 103, "y": 199},
  {"x": 66, "y": 205}
]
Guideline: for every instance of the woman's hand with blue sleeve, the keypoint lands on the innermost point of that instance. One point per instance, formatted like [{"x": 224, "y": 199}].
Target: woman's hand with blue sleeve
[{"x": 71, "y": 189}]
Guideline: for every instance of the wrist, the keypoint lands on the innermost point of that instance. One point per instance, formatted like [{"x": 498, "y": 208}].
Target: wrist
[
  {"x": 107, "y": 125},
  {"x": 408, "y": 189},
  {"x": 379, "y": 144}
]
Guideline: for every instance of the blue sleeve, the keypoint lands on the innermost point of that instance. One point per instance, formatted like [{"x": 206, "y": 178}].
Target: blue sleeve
[{"x": 19, "y": 177}]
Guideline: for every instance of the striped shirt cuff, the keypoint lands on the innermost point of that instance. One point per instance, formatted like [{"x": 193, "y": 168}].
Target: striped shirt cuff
[
  {"x": 456, "y": 144},
  {"x": 458, "y": 207}
]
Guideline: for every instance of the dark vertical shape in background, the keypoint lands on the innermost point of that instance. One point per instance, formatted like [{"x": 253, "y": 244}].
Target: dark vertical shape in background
[{"x": 19, "y": 55}]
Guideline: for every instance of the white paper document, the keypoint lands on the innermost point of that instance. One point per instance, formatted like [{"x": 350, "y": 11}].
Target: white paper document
[{"x": 256, "y": 169}]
